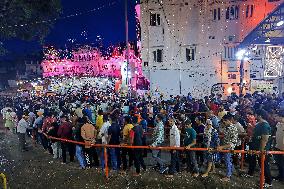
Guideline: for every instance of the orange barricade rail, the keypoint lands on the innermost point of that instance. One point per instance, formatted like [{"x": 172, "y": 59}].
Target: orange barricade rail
[{"x": 262, "y": 154}]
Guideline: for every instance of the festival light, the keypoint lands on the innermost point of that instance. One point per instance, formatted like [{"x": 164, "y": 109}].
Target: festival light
[
  {"x": 280, "y": 23},
  {"x": 230, "y": 90}
]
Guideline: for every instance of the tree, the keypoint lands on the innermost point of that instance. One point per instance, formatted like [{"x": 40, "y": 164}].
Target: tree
[{"x": 27, "y": 19}]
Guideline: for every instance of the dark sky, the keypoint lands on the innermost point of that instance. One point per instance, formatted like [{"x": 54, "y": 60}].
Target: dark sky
[{"x": 107, "y": 22}]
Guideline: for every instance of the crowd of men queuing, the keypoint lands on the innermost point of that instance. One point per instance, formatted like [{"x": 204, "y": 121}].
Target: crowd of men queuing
[{"x": 97, "y": 116}]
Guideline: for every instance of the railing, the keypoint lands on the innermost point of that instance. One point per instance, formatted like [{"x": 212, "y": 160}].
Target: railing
[
  {"x": 262, "y": 154},
  {"x": 4, "y": 180}
]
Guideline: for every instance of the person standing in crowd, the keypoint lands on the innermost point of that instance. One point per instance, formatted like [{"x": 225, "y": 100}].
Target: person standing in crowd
[
  {"x": 114, "y": 139},
  {"x": 229, "y": 142},
  {"x": 31, "y": 120},
  {"x": 47, "y": 124},
  {"x": 15, "y": 120},
  {"x": 144, "y": 124},
  {"x": 99, "y": 120},
  {"x": 174, "y": 142},
  {"x": 189, "y": 142},
  {"x": 88, "y": 112},
  {"x": 158, "y": 140},
  {"x": 261, "y": 141},
  {"x": 251, "y": 122},
  {"x": 136, "y": 139},
  {"x": 21, "y": 130},
  {"x": 103, "y": 136},
  {"x": 79, "y": 148},
  {"x": 126, "y": 141},
  {"x": 89, "y": 134},
  {"x": 79, "y": 111},
  {"x": 65, "y": 132},
  {"x": 38, "y": 127},
  {"x": 211, "y": 141},
  {"x": 9, "y": 121},
  {"x": 199, "y": 128},
  {"x": 241, "y": 135},
  {"x": 55, "y": 145},
  {"x": 280, "y": 147},
  {"x": 214, "y": 119},
  {"x": 222, "y": 112}
]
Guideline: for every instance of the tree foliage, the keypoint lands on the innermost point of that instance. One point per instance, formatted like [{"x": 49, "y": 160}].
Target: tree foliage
[{"x": 27, "y": 19}]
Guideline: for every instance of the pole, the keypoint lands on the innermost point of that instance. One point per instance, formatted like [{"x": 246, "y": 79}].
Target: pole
[
  {"x": 179, "y": 79},
  {"x": 127, "y": 45},
  {"x": 241, "y": 76},
  {"x": 221, "y": 69},
  {"x": 106, "y": 163},
  {"x": 261, "y": 183},
  {"x": 242, "y": 155}
]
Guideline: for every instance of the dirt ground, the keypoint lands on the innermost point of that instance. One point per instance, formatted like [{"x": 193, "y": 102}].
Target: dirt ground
[{"x": 35, "y": 170}]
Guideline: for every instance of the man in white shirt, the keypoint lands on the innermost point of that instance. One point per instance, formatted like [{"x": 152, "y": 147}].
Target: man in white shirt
[
  {"x": 103, "y": 134},
  {"x": 174, "y": 142},
  {"x": 240, "y": 128},
  {"x": 21, "y": 130},
  {"x": 280, "y": 146},
  {"x": 4, "y": 111},
  {"x": 79, "y": 111}
]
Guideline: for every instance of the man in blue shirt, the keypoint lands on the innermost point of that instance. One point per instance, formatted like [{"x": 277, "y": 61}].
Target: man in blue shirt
[
  {"x": 190, "y": 141},
  {"x": 261, "y": 141},
  {"x": 114, "y": 139},
  {"x": 158, "y": 140}
]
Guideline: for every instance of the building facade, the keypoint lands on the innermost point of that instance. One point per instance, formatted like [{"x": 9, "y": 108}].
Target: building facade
[{"x": 190, "y": 45}]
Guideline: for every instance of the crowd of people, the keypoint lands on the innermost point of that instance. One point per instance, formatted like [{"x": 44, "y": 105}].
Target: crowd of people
[{"x": 97, "y": 115}]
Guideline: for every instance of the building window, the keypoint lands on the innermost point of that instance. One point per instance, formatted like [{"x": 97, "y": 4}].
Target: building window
[
  {"x": 155, "y": 19},
  {"x": 228, "y": 13},
  {"x": 231, "y": 38},
  {"x": 249, "y": 11},
  {"x": 214, "y": 14},
  {"x": 190, "y": 54},
  {"x": 217, "y": 14},
  {"x": 232, "y": 12},
  {"x": 229, "y": 53},
  {"x": 236, "y": 12},
  {"x": 158, "y": 55}
]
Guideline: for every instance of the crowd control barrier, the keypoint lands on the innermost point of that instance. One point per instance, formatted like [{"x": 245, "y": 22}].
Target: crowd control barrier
[{"x": 262, "y": 154}]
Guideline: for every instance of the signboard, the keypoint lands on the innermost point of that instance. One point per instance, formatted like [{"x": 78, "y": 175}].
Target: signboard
[{"x": 262, "y": 85}]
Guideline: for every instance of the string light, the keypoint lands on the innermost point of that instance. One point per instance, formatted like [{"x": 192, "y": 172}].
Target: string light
[{"x": 61, "y": 18}]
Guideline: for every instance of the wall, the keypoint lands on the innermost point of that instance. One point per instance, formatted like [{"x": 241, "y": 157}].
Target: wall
[{"x": 191, "y": 24}]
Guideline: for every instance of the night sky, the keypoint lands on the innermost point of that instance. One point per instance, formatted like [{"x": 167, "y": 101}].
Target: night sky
[{"x": 107, "y": 22}]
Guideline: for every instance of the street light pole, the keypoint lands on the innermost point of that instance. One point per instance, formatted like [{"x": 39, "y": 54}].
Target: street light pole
[
  {"x": 127, "y": 45},
  {"x": 241, "y": 76}
]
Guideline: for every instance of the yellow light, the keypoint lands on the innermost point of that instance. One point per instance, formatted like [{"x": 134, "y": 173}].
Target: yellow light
[{"x": 230, "y": 90}]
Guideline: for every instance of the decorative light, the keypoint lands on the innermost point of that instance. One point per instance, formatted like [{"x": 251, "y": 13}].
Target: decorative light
[
  {"x": 241, "y": 54},
  {"x": 230, "y": 90},
  {"x": 280, "y": 23}
]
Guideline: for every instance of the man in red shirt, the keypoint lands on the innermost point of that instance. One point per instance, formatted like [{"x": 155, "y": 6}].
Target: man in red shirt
[{"x": 65, "y": 132}]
